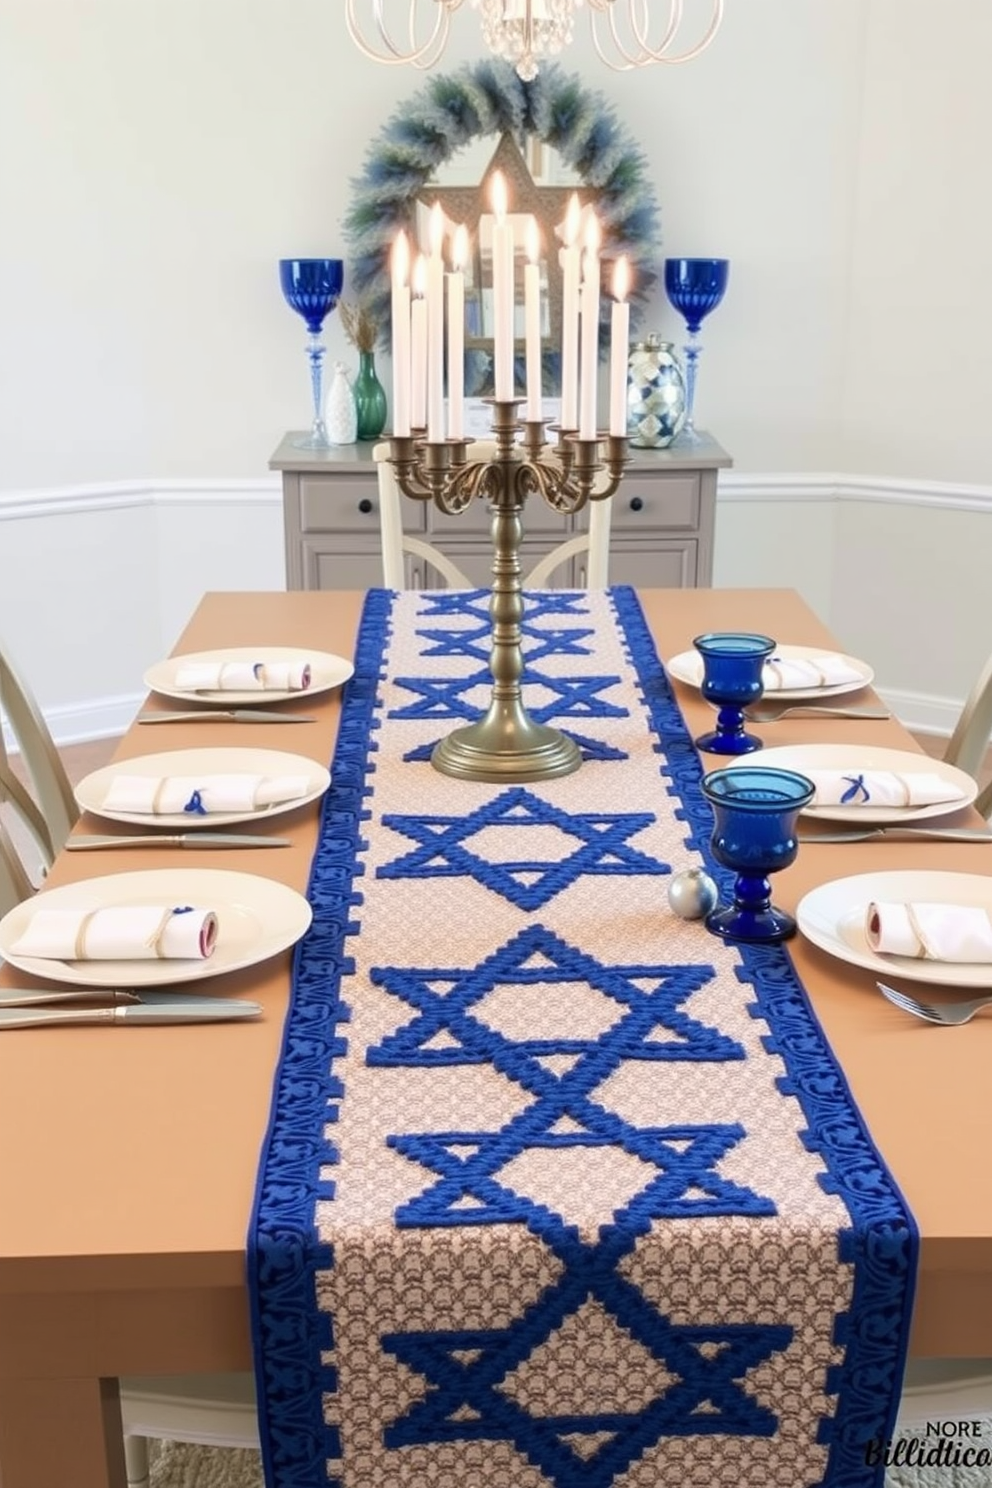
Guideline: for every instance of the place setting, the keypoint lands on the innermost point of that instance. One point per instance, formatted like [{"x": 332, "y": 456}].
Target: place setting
[
  {"x": 915, "y": 925},
  {"x": 112, "y": 938},
  {"x": 198, "y": 791},
  {"x": 795, "y": 679},
  {"x": 240, "y": 684}
]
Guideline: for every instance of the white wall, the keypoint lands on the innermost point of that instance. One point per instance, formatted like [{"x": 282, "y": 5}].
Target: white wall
[{"x": 158, "y": 156}]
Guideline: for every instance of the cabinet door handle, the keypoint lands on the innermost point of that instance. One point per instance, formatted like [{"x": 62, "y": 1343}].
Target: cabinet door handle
[
  {"x": 637, "y": 503},
  {"x": 365, "y": 505}
]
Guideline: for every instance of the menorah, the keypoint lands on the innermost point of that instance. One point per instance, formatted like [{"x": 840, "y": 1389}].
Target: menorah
[{"x": 507, "y": 743}]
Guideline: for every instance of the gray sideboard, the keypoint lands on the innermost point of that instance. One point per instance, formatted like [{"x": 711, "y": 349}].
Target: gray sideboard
[{"x": 661, "y": 534}]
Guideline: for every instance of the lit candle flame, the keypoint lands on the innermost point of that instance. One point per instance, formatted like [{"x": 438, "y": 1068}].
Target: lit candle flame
[
  {"x": 533, "y": 241},
  {"x": 572, "y": 219},
  {"x": 419, "y": 275},
  {"x": 621, "y": 278},
  {"x": 459, "y": 248},
  {"x": 401, "y": 260},
  {"x": 436, "y": 228},
  {"x": 498, "y": 196},
  {"x": 592, "y": 237}
]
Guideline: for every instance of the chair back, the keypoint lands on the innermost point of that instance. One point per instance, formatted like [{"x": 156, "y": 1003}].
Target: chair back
[
  {"x": 969, "y": 741},
  {"x": 48, "y": 809},
  {"x": 395, "y": 542},
  {"x": 15, "y": 885}
]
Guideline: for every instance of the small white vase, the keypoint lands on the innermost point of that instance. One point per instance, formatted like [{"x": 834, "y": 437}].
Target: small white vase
[{"x": 340, "y": 414}]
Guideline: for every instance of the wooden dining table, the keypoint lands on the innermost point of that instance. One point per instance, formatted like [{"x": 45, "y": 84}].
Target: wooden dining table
[{"x": 128, "y": 1157}]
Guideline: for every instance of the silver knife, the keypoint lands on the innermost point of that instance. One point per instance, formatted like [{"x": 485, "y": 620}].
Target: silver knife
[
  {"x": 235, "y": 715},
  {"x": 867, "y": 834},
  {"x": 37, "y": 996},
  {"x": 177, "y": 1010},
  {"x": 176, "y": 839}
]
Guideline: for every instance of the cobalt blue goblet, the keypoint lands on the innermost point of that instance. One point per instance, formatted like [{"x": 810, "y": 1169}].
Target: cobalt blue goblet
[
  {"x": 732, "y": 668},
  {"x": 754, "y": 834},
  {"x": 312, "y": 287},
  {"x": 695, "y": 286}
]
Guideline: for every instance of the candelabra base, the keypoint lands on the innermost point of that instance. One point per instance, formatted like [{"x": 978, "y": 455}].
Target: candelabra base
[{"x": 506, "y": 745}]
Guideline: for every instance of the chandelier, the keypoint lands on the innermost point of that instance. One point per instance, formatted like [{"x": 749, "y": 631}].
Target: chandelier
[{"x": 525, "y": 32}]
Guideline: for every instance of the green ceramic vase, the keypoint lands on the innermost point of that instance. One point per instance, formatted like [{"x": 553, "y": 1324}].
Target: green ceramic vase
[{"x": 370, "y": 398}]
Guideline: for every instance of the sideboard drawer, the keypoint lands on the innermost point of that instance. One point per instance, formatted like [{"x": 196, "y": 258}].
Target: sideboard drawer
[
  {"x": 349, "y": 505},
  {"x": 671, "y": 502}
]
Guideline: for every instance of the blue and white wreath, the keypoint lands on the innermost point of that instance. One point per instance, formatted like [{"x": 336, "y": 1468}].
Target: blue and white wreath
[{"x": 488, "y": 98}]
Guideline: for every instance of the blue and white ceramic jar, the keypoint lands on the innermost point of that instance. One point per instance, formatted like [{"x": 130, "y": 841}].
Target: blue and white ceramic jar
[{"x": 655, "y": 393}]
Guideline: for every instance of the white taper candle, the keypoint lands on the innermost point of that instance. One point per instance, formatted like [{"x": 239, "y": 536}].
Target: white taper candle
[
  {"x": 456, "y": 335},
  {"x": 589, "y": 297},
  {"x": 418, "y": 346},
  {"x": 502, "y": 290},
  {"x": 532, "y": 321},
  {"x": 400, "y": 265},
  {"x": 570, "y": 269},
  {"x": 619, "y": 336},
  {"x": 435, "y": 328}
]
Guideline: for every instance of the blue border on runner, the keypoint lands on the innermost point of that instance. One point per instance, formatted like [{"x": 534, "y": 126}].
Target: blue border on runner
[
  {"x": 883, "y": 1242},
  {"x": 289, "y": 1336}
]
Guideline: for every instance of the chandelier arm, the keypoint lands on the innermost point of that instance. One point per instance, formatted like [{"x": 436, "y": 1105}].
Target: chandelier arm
[
  {"x": 419, "y": 55},
  {"x": 639, "y": 22}
]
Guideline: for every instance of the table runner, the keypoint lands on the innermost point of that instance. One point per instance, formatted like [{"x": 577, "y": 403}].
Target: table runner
[{"x": 557, "y": 1189}]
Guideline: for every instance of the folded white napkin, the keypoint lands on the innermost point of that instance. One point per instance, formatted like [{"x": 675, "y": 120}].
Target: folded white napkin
[
  {"x": 243, "y": 676},
  {"x": 881, "y": 788},
  {"x": 931, "y": 932},
  {"x": 785, "y": 673},
  {"x": 132, "y": 932},
  {"x": 201, "y": 795}
]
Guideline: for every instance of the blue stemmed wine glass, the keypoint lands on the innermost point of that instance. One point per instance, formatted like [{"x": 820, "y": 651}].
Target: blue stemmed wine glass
[
  {"x": 695, "y": 286},
  {"x": 732, "y": 679},
  {"x": 754, "y": 834},
  {"x": 312, "y": 287}
]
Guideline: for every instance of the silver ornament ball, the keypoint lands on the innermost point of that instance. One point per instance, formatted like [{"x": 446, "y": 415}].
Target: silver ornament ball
[{"x": 692, "y": 894}]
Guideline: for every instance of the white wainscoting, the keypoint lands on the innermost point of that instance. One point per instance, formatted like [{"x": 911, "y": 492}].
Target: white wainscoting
[{"x": 98, "y": 581}]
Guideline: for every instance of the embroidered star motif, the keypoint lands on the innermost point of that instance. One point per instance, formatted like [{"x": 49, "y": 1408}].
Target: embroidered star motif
[
  {"x": 529, "y": 883},
  {"x": 466, "y": 1399}
]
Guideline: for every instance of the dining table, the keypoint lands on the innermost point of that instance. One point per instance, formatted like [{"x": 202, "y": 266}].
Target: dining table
[{"x": 129, "y": 1158}]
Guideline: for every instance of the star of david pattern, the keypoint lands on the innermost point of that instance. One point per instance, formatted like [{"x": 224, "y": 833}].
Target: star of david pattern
[
  {"x": 682, "y": 1163},
  {"x": 444, "y": 849},
  {"x": 558, "y": 1190}
]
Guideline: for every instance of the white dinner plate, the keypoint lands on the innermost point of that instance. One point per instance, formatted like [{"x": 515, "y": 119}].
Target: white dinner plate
[
  {"x": 688, "y": 667},
  {"x": 854, "y": 758},
  {"x": 256, "y": 918},
  {"x": 833, "y": 918},
  {"x": 91, "y": 792},
  {"x": 326, "y": 671}
]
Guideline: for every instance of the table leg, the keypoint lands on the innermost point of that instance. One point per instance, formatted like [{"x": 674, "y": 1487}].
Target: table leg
[{"x": 61, "y": 1433}]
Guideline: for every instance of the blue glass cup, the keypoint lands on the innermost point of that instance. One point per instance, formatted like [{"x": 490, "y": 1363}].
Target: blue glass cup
[
  {"x": 732, "y": 680},
  {"x": 754, "y": 834},
  {"x": 312, "y": 287}
]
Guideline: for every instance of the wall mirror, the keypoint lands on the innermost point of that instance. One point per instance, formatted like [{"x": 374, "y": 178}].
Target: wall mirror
[{"x": 551, "y": 137}]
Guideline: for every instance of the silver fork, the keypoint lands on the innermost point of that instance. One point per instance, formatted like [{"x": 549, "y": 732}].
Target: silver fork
[
  {"x": 772, "y": 712},
  {"x": 949, "y": 1014}
]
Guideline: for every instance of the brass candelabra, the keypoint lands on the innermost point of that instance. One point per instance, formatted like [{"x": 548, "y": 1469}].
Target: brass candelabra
[{"x": 506, "y": 743}]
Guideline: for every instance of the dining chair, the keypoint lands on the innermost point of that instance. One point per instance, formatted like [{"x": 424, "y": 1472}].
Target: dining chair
[
  {"x": 969, "y": 741},
  {"x": 396, "y": 542},
  {"x": 212, "y": 1410},
  {"x": 15, "y": 882},
  {"x": 48, "y": 809}
]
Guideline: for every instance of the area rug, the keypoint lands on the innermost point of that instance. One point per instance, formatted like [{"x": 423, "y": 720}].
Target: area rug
[
  {"x": 560, "y": 1191},
  {"x": 178, "y": 1465}
]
